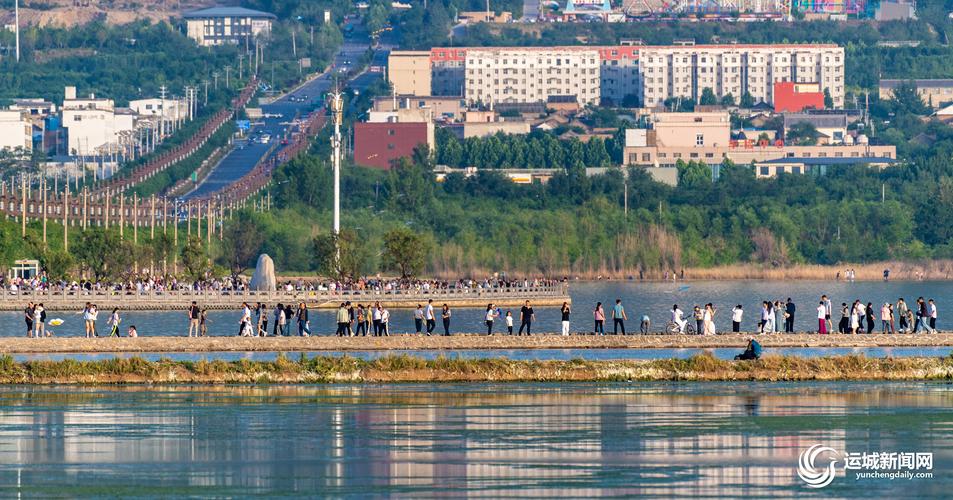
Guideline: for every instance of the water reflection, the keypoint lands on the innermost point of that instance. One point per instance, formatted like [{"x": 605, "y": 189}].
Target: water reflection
[{"x": 460, "y": 440}]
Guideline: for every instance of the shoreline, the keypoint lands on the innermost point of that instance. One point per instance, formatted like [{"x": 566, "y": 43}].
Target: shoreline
[
  {"x": 409, "y": 369},
  {"x": 410, "y": 342}
]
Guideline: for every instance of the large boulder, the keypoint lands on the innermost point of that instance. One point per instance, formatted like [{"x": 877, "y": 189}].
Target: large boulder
[{"x": 264, "y": 278}]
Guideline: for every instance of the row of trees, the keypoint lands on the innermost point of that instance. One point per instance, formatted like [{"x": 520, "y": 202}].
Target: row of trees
[{"x": 538, "y": 149}]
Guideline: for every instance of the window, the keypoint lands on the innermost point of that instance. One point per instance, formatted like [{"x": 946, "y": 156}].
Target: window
[
  {"x": 796, "y": 170},
  {"x": 699, "y": 139},
  {"x": 765, "y": 171},
  {"x": 646, "y": 157},
  {"x": 391, "y": 131}
]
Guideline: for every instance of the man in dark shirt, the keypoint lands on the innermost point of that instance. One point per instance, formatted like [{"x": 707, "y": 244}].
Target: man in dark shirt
[
  {"x": 526, "y": 318},
  {"x": 789, "y": 320},
  {"x": 28, "y": 315},
  {"x": 194, "y": 315}
]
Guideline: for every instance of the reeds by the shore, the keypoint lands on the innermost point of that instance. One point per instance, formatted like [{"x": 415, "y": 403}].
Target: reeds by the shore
[{"x": 403, "y": 368}]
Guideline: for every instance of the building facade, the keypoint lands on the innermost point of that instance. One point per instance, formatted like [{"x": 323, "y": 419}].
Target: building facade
[
  {"x": 706, "y": 137},
  {"x": 794, "y": 97},
  {"x": 935, "y": 92},
  {"x": 93, "y": 123},
  {"x": 227, "y": 25},
  {"x": 409, "y": 72},
  {"x": 15, "y": 131},
  {"x": 629, "y": 73}
]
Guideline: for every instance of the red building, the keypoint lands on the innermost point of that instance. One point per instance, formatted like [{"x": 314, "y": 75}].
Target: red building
[
  {"x": 794, "y": 97},
  {"x": 379, "y": 144}
]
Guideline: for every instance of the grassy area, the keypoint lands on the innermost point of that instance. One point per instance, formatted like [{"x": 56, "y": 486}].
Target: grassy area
[{"x": 404, "y": 368}]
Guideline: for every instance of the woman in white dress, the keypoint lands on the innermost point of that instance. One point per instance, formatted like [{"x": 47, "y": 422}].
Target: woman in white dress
[{"x": 709, "y": 319}]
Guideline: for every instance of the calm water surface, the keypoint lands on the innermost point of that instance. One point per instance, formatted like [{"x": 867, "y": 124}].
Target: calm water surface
[
  {"x": 654, "y": 299},
  {"x": 657, "y": 440}
]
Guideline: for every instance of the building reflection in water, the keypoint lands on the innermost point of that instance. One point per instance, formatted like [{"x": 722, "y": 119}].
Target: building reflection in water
[{"x": 453, "y": 440}]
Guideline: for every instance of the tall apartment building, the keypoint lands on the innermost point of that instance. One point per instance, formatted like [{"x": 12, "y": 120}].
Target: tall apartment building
[
  {"x": 224, "y": 25},
  {"x": 514, "y": 75},
  {"x": 685, "y": 71},
  {"x": 409, "y": 72},
  {"x": 647, "y": 75}
]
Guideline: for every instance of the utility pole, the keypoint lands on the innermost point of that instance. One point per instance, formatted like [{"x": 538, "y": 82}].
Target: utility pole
[
  {"x": 227, "y": 68},
  {"x": 206, "y": 92}
]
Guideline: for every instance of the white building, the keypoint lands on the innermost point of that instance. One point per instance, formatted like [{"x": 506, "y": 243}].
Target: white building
[
  {"x": 515, "y": 75},
  {"x": 93, "y": 123},
  {"x": 15, "y": 131},
  {"x": 223, "y": 25},
  {"x": 686, "y": 70}
]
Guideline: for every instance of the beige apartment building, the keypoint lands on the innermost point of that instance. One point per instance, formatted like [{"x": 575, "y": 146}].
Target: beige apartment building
[
  {"x": 685, "y": 71},
  {"x": 227, "y": 25},
  {"x": 648, "y": 75},
  {"x": 514, "y": 75},
  {"x": 707, "y": 137},
  {"x": 409, "y": 72},
  {"x": 934, "y": 92}
]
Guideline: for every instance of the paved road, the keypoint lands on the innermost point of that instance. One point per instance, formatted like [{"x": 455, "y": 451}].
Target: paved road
[{"x": 244, "y": 157}]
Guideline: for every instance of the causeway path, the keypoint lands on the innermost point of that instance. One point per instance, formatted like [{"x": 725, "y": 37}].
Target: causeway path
[{"x": 455, "y": 342}]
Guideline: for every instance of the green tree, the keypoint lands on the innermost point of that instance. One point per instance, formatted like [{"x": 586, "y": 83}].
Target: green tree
[
  {"x": 92, "y": 248},
  {"x": 708, "y": 97},
  {"x": 803, "y": 134},
  {"x": 194, "y": 258},
  {"x": 747, "y": 100},
  {"x": 405, "y": 252},
  {"x": 57, "y": 263},
  {"x": 341, "y": 256},
  {"x": 728, "y": 100},
  {"x": 828, "y": 100},
  {"x": 163, "y": 247},
  {"x": 242, "y": 241}
]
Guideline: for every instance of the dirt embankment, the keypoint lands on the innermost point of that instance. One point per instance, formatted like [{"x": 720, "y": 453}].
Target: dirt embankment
[{"x": 403, "y": 368}]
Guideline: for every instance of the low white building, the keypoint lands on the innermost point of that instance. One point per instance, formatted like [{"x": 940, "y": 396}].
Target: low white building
[
  {"x": 227, "y": 25},
  {"x": 93, "y": 123},
  {"x": 15, "y": 131}
]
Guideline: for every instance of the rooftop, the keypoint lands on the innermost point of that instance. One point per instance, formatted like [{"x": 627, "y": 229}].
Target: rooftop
[
  {"x": 227, "y": 12},
  {"x": 860, "y": 160},
  {"x": 923, "y": 82},
  {"x": 819, "y": 121}
]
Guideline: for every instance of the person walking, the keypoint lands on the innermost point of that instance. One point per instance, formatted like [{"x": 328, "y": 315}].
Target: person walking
[
  {"x": 527, "y": 316},
  {"x": 113, "y": 323},
  {"x": 29, "y": 314},
  {"x": 871, "y": 318},
  {"x": 244, "y": 323},
  {"x": 361, "y": 330},
  {"x": 565, "y": 311},
  {"x": 262, "y": 320},
  {"x": 789, "y": 310},
  {"x": 418, "y": 319},
  {"x": 289, "y": 317},
  {"x": 39, "y": 320},
  {"x": 855, "y": 318},
  {"x": 488, "y": 319},
  {"x": 737, "y": 314},
  {"x": 708, "y": 319},
  {"x": 885, "y": 316},
  {"x": 618, "y": 318},
  {"x": 699, "y": 316},
  {"x": 445, "y": 316},
  {"x": 193, "y": 313},
  {"x": 902, "y": 310},
  {"x": 844, "y": 325},
  {"x": 376, "y": 315},
  {"x": 385, "y": 322},
  {"x": 93, "y": 316},
  {"x": 282, "y": 320},
  {"x": 931, "y": 310},
  {"x": 279, "y": 310},
  {"x": 829, "y": 307},
  {"x": 763, "y": 326},
  {"x": 350, "y": 320},
  {"x": 822, "y": 317},
  {"x": 430, "y": 317},
  {"x": 304, "y": 328},
  {"x": 86, "y": 320},
  {"x": 508, "y": 319},
  {"x": 342, "y": 320},
  {"x": 203, "y": 322},
  {"x": 599, "y": 316}
]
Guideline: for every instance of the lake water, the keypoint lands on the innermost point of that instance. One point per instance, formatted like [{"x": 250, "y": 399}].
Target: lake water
[
  {"x": 654, "y": 299},
  {"x": 671, "y": 440}
]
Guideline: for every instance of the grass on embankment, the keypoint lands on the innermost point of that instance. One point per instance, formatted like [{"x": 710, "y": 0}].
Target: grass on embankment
[{"x": 403, "y": 368}]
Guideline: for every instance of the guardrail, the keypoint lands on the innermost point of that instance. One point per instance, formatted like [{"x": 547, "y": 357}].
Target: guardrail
[{"x": 181, "y": 299}]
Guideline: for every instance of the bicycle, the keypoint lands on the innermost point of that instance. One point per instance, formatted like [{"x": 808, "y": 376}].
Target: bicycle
[{"x": 673, "y": 328}]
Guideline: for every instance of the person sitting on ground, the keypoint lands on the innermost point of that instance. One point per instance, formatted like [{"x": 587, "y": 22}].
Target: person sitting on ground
[
  {"x": 132, "y": 333},
  {"x": 753, "y": 351}
]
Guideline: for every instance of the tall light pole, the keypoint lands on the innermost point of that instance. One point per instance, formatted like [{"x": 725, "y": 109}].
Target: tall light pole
[
  {"x": 16, "y": 29},
  {"x": 337, "y": 106}
]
